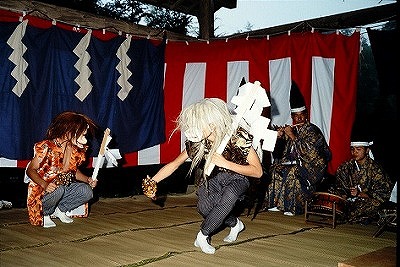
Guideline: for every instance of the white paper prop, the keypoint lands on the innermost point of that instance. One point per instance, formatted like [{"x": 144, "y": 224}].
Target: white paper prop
[
  {"x": 250, "y": 103},
  {"x": 111, "y": 155}
]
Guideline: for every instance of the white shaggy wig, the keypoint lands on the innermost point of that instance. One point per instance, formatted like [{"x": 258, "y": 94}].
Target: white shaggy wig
[{"x": 206, "y": 115}]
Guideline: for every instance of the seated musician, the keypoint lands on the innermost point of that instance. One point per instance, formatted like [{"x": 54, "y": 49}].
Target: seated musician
[
  {"x": 301, "y": 158},
  {"x": 362, "y": 181}
]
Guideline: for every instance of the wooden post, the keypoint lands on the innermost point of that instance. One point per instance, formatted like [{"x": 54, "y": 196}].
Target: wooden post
[{"x": 206, "y": 19}]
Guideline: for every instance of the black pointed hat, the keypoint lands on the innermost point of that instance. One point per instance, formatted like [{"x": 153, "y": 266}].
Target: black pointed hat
[
  {"x": 297, "y": 103},
  {"x": 360, "y": 136}
]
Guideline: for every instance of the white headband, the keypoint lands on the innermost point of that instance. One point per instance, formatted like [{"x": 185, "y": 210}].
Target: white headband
[
  {"x": 361, "y": 143},
  {"x": 300, "y": 109},
  {"x": 367, "y": 144}
]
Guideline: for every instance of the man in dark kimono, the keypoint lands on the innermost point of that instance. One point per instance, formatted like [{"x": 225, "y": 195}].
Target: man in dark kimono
[
  {"x": 363, "y": 183},
  {"x": 301, "y": 158}
]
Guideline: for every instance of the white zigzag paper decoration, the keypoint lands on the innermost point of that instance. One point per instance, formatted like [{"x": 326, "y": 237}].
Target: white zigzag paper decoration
[
  {"x": 85, "y": 87},
  {"x": 258, "y": 123},
  {"x": 15, "y": 42},
  {"x": 122, "y": 68}
]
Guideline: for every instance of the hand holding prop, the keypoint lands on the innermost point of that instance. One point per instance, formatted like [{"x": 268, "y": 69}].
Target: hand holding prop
[
  {"x": 149, "y": 187},
  {"x": 250, "y": 102},
  {"x": 111, "y": 156}
]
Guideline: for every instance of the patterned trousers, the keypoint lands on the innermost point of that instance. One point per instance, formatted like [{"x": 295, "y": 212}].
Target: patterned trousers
[
  {"x": 217, "y": 200},
  {"x": 67, "y": 197}
]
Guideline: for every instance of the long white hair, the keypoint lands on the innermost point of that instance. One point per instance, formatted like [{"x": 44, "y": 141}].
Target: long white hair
[{"x": 207, "y": 115}]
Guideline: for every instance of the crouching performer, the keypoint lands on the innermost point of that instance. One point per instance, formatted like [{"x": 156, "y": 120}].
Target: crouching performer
[
  {"x": 56, "y": 185},
  {"x": 205, "y": 125}
]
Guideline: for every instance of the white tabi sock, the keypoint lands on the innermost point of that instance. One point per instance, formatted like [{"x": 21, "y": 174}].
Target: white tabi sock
[
  {"x": 202, "y": 242},
  {"x": 273, "y": 209},
  {"x": 234, "y": 232},
  {"x": 62, "y": 216},
  {"x": 48, "y": 222}
]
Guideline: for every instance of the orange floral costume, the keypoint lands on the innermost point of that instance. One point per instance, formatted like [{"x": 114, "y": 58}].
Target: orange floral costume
[{"x": 51, "y": 166}]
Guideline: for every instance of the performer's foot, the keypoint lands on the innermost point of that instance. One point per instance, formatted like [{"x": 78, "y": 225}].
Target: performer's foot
[
  {"x": 234, "y": 232},
  {"x": 202, "y": 242},
  {"x": 48, "y": 222},
  {"x": 62, "y": 216},
  {"x": 288, "y": 213},
  {"x": 273, "y": 209}
]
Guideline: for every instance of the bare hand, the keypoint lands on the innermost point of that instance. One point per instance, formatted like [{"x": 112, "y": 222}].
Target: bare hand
[
  {"x": 280, "y": 131},
  {"x": 219, "y": 160},
  {"x": 50, "y": 187},
  {"x": 289, "y": 132},
  {"x": 353, "y": 191},
  {"x": 92, "y": 182}
]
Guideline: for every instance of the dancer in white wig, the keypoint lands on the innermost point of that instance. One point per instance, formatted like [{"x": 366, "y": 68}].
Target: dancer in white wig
[{"x": 205, "y": 124}]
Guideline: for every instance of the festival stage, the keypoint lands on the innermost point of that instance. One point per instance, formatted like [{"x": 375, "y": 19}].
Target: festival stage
[{"x": 134, "y": 231}]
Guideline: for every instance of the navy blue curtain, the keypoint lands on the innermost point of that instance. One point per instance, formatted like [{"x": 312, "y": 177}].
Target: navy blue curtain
[{"x": 136, "y": 122}]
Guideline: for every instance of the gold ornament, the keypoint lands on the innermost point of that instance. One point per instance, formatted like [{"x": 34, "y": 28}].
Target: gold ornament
[{"x": 149, "y": 187}]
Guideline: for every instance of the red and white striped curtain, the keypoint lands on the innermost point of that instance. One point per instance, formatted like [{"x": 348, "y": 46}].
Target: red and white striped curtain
[{"x": 325, "y": 67}]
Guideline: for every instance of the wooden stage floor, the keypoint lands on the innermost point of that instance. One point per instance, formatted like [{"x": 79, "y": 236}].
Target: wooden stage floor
[{"x": 133, "y": 231}]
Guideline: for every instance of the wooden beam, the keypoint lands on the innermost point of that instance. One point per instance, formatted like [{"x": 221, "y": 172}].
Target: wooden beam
[{"x": 87, "y": 20}]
